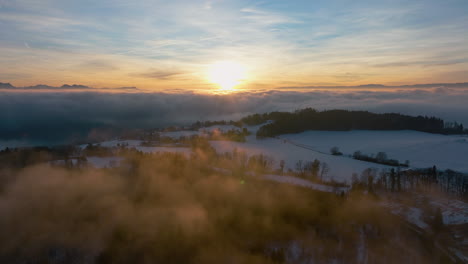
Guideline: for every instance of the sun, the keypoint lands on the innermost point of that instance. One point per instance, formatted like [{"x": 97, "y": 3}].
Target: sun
[{"x": 227, "y": 74}]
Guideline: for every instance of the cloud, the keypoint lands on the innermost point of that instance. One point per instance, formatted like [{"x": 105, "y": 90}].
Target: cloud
[
  {"x": 13, "y": 75},
  {"x": 261, "y": 17},
  {"x": 65, "y": 115},
  {"x": 39, "y": 22},
  {"x": 159, "y": 74},
  {"x": 423, "y": 63},
  {"x": 348, "y": 77},
  {"x": 96, "y": 65}
]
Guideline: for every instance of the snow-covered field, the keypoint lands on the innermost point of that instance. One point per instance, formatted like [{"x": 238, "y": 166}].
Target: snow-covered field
[
  {"x": 454, "y": 212},
  {"x": 305, "y": 183},
  {"x": 104, "y": 162},
  {"x": 200, "y": 132},
  {"x": 137, "y": 145},
  {"x": 181, "y": 150},
  {"x": 421, "y": 149},
  {"x": 341, "y": 168}
]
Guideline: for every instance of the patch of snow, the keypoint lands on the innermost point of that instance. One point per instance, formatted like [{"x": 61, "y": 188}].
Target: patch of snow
[
  {"x": 181, "y": 150},
  {"x": 362, "y": 255},
  {"x": 222, "y": 170},
  {"x": 202, "y": 132},
  {"x": 104, "y": 162},
  {"x": 115, "y": 143},
  {"x": 222, "y": 128},
  {"x": 137, "y": 145},
  {"x": 454, "y": 212},
  {"x": 294, "y": 252},
  {"x": 414, "y": 216},
  {"x": 63, "y": 162},
  {"x": 460, "y": 255},
  {"x": 305, "y": 183},
  {"x": 179, "y": 134}
]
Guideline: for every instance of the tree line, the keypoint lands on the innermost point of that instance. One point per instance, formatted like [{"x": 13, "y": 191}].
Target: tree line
[
  {"x": 426, "y": 179},
  {"x": 344, "y": 120}
]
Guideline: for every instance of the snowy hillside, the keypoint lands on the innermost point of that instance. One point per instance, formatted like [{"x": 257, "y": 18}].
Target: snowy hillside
[
  {"x": 137, "y": 144},
  {"x": 421, "y": 149},
  {"x": 204, "y": 131},
  {"x": 341, "y": 168}
]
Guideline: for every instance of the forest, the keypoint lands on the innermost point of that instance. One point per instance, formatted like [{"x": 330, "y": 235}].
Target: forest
[{"x": 344, "y": 120}]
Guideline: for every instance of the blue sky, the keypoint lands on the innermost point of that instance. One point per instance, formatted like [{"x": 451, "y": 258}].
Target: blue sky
[{"x": 172, "y": 44}]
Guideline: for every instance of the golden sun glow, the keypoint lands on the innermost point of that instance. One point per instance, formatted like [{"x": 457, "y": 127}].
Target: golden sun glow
[{"x": 227, "y": 74}]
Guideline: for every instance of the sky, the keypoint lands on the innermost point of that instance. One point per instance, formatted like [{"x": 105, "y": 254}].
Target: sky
[{"x": 211, "y": 45}]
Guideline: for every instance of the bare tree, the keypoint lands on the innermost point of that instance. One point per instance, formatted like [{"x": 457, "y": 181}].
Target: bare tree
[
  {"x": 381, "y": 157},
  {"x": 324, "y": 171},
  {"x": 281, "y": 164},
  {"x": 335, "y": 151},
  {"x": 299, "y": 167}
]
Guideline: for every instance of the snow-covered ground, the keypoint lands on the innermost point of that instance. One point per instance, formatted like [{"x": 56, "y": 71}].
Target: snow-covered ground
[
  {"x": 115, "y": 143},
  {"x": 137, "y": 145},
  {"x": 292, "y": 180},
  {"x": 96, "y": 162},
  {"x": 204, "y": 131},
  {"x": 179, "y": 134},
  {"x": 305, "y": 183},
  {"x": 421, "y": 149},
  {"x": 340, "y": 168},
  {"x": 413, "y": 215},
  {"x": 181, "y": 150},
  {"x": 104, "y": 162},
  {"x": 454, "y": 212}
]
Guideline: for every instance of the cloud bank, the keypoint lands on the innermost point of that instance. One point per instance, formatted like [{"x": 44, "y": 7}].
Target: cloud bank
[{"x": 67, "y": 115}]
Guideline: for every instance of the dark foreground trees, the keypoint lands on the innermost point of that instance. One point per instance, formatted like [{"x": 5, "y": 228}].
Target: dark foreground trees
[{"x": 170, "y": 208}]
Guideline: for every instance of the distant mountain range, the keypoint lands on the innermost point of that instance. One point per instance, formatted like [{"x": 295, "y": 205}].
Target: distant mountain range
[
  {"x": 43, "y": 86},
  {"x": 9, "y": 86},
  {"x": 429, "y": 85}
]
